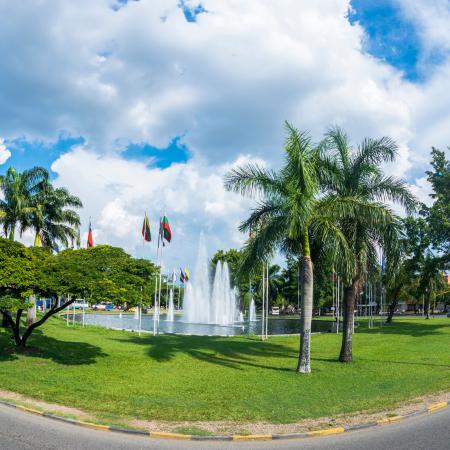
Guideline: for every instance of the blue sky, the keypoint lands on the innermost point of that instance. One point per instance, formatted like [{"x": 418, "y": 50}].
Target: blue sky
[{"x": 390, "y": 35}]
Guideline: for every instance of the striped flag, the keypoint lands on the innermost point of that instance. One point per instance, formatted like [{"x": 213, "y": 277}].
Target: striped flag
[
  {"x": 146, "y": 234},
  {"x": 90, "y": 239},
  {"x": 164, "y": 230}
]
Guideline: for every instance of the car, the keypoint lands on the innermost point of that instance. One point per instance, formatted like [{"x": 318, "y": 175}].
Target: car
[
  {"x": 275, "y": 311},
  {"x": 99, "y": 307},
  {"x": 79, "y": 305}
]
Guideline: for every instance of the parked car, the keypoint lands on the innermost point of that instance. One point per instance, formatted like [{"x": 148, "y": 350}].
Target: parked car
[
  {"x": 78, "y": 305},
  {"x": 275, "y": 311}
]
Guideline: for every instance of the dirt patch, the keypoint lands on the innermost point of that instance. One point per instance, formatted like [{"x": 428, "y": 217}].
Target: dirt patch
[
  {"x": 235, "y": 427},
  {"x": 44, "y": 406},
  {"x": 232, "y": 427}
]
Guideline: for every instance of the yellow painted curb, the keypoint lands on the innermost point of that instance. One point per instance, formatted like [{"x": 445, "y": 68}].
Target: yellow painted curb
[
  {"x": 166, "y": 435},
  {"x": 252, "y": 437},
  {"x": 30, "y": 410},
  {"x": 437, "y": 406},
  {"x": 95, "y": 426},
  {"x": 327, "y": 431},
  {"x": 389, "y": 420}
]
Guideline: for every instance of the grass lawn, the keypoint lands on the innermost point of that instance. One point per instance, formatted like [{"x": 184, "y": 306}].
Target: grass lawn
[{"x": 114, "y": 373}]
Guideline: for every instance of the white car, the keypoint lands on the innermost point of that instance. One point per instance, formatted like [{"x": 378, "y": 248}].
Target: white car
[{"x": 275, "y": 311}]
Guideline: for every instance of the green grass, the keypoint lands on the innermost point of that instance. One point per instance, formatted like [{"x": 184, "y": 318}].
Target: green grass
[
  {"x": 187, "y": 378},
  {"x": 193, "y": 430}
]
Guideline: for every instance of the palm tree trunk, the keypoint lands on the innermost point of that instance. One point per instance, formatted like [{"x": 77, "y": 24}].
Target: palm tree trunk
[
  {"x": 427, "y": 306},
  {"x": 304, "y": 357},
  {"x": 350, "y": 293},
  {"x": 12, "y": 233},
  {"x": 392, "y": 307}
]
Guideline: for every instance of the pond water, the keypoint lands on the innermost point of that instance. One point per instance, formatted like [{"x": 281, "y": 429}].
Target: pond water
[{"x": 276, "y": 325}]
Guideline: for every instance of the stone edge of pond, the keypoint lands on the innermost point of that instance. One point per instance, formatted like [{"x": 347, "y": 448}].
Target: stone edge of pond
[{"x": 231, "y": 437}]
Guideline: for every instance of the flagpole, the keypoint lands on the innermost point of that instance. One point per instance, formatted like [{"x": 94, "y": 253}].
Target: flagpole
[
  {"x": 160, "y": 269},
  {"x": 155, "y": 303}
]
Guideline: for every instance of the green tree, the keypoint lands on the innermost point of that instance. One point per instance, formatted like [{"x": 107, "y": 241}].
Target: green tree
[
  {"x": 288, "y": 213},
  {"x": 52, "y": 218},
  {"x": 18, "y": 190},
  {"x": 356, "y": 175},
  {"x": 438, "y": 215},
  {"x": 100, "y": 273}
]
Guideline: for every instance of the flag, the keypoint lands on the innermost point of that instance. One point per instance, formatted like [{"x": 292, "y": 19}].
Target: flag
[
  {"x": 38, "y": 240},
  {"x": 165, "y": 230},
  {"x": 181, "y": 275},
  {"x": 146, "y": 229},
  {"x": 90, "y": 240}
]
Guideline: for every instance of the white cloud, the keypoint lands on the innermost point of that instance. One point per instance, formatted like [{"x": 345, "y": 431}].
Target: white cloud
[
  {"x": 116, "y": 193},
  {"x": 225, "y": 83},
  {"x": 5, "y": 154}
]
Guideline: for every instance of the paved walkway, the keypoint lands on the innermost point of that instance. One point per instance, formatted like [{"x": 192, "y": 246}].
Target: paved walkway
[{"x": 23, "y": 431}]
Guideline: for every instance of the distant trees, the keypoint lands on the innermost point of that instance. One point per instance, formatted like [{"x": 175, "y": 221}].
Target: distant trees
[{"x": 96, "y": 274}]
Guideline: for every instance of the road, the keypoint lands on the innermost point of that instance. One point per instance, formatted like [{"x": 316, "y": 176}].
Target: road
[{"x": 23, "y": 431}]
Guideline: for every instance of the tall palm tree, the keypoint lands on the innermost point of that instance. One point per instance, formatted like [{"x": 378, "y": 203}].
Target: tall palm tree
[
  {"x": 18, "y": 190},
  {"x": 357, "y": 174},
  {"x": 288, "y": 212},
  {"x": 51, "y": 217}
]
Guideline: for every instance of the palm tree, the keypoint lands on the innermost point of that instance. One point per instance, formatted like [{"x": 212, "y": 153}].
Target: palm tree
[
  {"x": 288, "y": 212},
  {"x": 18, "y": 190},
  {"x": 357, "y": 174},
  {"x": 50, "y": 219}
]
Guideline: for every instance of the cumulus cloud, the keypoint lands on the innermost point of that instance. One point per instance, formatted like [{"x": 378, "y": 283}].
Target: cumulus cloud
[
  {"x": 5, "y": 154},
  {"x": 116, "y": 194},
  {"x": 142, "y": 73}
]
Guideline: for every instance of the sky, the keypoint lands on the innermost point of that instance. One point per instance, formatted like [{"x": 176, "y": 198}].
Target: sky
[{"x": 143, "y": 106}]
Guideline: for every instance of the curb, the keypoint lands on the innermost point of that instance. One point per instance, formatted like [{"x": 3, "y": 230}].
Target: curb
[{"x": 231, "y": 437}]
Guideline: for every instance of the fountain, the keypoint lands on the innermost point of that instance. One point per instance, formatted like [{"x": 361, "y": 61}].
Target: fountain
[
  {"x": 252, "y": 311},
  {"x": 171, "y": 308},
  {"x": 208, "y": 304}
]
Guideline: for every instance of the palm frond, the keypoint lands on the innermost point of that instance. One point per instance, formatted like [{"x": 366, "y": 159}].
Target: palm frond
[{"x": 252, "y": 179}]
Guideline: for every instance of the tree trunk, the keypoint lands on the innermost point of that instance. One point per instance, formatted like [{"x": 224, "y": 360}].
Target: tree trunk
[
  {"x": 31, "y": 312},
  {"x": 392, "y": 307},
  {"x": 304, "y": 364},
  {"x": 427, "y": 307},
  {"x": 350, "y": 293}
]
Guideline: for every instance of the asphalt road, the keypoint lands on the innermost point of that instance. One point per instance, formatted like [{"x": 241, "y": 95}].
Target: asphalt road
[{"x": 23, "y": 431}]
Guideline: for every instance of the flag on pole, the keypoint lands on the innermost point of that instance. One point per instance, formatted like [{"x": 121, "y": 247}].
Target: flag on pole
[
  {"x": 90, "y": 240},
  {"x": 165, "y": 230},
  {"x": 38, "y": 240},
  {"x": 184, "y": 276},
  {"x": 146, "y": 229}
]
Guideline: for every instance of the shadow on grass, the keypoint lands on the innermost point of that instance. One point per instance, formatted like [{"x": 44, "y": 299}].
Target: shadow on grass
[
  {"x": 42, "y": 346},
  {"x": 416, "y": 328},
  {"x": 359, "y": 358},
  {"x": 215, "y": 350}
]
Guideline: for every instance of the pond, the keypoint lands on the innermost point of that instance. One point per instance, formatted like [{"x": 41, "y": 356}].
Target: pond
[{"x": 276, "y": 325}]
